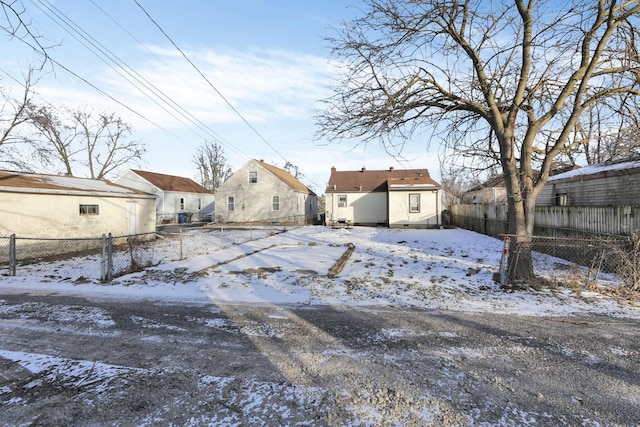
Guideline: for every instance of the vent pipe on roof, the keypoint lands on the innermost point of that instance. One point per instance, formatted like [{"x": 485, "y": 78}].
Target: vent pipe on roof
[
  {"x": 364, "y": 169},
  {"x": 391, "y": 169},
  {"x": 334, "y": 186}
]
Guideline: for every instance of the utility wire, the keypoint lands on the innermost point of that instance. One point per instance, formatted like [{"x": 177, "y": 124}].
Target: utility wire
[
  {"x": 209, "y": 82},
  {"x": 102, "y": 52},
  {"x": 217, "y": 137}
]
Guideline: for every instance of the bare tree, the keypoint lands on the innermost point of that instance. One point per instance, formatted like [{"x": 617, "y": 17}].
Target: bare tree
[
  {"x": 14, "y": 24},
  {"x": 292, "y": 169},
  {"x": 58, "y": 140},
  {"x": 211, "y": 165},
  {"x": 505, "y": 82},
  {"x": 14, "y": 112},
  {"x": 605, "y": 135},
  {"x": 96, "y": 143},
  {"x": 107, "y": 146},
  {"x": 454, "y": 186}
]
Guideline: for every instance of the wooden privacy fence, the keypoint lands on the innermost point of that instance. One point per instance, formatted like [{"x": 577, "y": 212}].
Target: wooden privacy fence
[{"x": 566, "y": 221}]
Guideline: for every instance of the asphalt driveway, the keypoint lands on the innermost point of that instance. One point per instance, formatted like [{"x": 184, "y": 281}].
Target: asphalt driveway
[{"x": 72, "y": 361}]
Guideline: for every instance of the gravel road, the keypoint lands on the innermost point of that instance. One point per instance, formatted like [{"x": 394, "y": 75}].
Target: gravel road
[{"x": 72, "y": 361}]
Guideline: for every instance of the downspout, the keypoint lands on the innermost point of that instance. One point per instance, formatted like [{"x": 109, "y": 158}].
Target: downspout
[
  {"x": 438, "y": 215},
  {"x": 163, "y": 211}
]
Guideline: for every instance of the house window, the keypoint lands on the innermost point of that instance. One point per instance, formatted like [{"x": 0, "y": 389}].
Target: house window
[
  {"x": 199, "y": 204},
  {"x": 414, "y": 203},
  {"x": 253, "y": 177},
  {"x": 231, "y": 203},
  {"x": 275, "y": 203},
  {"x": 89, "y": 210},
  {"x": 181, "y": 203},
  {"x": 562, "y": 199},
  {"x": 342, "y": 201}
]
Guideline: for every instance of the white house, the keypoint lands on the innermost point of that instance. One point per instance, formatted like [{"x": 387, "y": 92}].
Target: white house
[
  {"x": 178, "y": 199},
  {"x": 490, "y": 192},
  {"x": 262, "y": 193},
  {"x": 392, "y": 197},
  {"x": 50, "y": 206}
]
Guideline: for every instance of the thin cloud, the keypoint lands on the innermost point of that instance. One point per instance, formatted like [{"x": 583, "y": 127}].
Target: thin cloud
[{"x": 262, "y": 85}]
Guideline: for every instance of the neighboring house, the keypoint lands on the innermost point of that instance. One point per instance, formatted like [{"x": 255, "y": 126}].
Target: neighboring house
[
  {"x": 261, "y": 193},
  {"x": 392, "y": 197},
  {"x": 490, "y": 192},
  {"x": 50, "y": 206},
  {"x": 607, "y": 184},
  {"x": 494, "y": 192},
  {"x": 178, "y": 199}
]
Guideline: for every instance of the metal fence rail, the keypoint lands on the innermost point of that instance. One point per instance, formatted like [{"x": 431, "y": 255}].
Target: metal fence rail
[
  {"x": 587, "y": 261},
  {"x": 76, "y": 259},
  {"x": 107, "y": 257}
]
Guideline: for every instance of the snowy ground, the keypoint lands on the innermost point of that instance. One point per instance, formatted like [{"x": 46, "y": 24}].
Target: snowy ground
[
  {"x": 250, "y": 328},
  {"x": 435, "y": 269}
]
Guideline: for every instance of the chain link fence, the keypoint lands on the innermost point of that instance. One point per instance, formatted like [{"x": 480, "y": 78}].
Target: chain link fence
[
  {"x": 108, "y": 257},
  {"x": 76, "y": 259},
  {"x": 610, "y": 260}
]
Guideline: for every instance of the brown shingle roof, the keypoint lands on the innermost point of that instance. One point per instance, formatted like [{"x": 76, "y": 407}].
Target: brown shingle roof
[
  {"x": 43, "y": 183},
  {"x": 171, "y": 182},
  {"x": 375, "y": 180},
  {"x": 287, "y": 178}
]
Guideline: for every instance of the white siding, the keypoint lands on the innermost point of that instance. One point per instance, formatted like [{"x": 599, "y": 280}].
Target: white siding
[
  {"x": 172, "y": 202},
  {"x": 486, "y": 196},
  {"x": 132, "y": 180},
  {"x": 253, "y": 201},
  {"x": 167, "y": 202},
  {"x": 58, "y": 215},
  {"x": 401, "y": 216},
  {"x": 362, "y": 208}
]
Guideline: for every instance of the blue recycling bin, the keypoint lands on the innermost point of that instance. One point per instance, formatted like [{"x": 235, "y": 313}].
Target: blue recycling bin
[{"x": 182, "y": 218}]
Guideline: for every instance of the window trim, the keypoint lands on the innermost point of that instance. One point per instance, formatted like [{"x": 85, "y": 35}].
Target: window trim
[
  {"x": 253, "y": 177},
  {"x": 342, "y": 203},
  {"x": 275, "y": 203},
  {"x": 231, "y": 203},
  {"x": 562, "y": 199},
  {"x": 412, "y": 207},
  {"x": 86, "y": 209}
]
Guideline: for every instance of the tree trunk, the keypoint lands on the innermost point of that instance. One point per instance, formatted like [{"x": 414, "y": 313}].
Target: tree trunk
[{"x": 521, "y": 220}]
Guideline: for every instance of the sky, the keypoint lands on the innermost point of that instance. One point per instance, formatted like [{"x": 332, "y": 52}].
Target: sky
[{"x": 252, "y": 79}]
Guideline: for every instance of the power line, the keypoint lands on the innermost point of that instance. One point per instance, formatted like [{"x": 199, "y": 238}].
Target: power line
[
  {"x": 134, "y": 78},
  {"x": 217, "y": 137},
  {"x": 209, "y": 82}
]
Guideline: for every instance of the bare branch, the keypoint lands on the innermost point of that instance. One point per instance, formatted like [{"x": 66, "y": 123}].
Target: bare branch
[
  {"x": 211, "y": 165},
  {"x": 95, "y": 143},
  {"x": 503, "y": 83},
  {"x": 14, "y": 112},
  {"x": 14, "y": 24}
]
